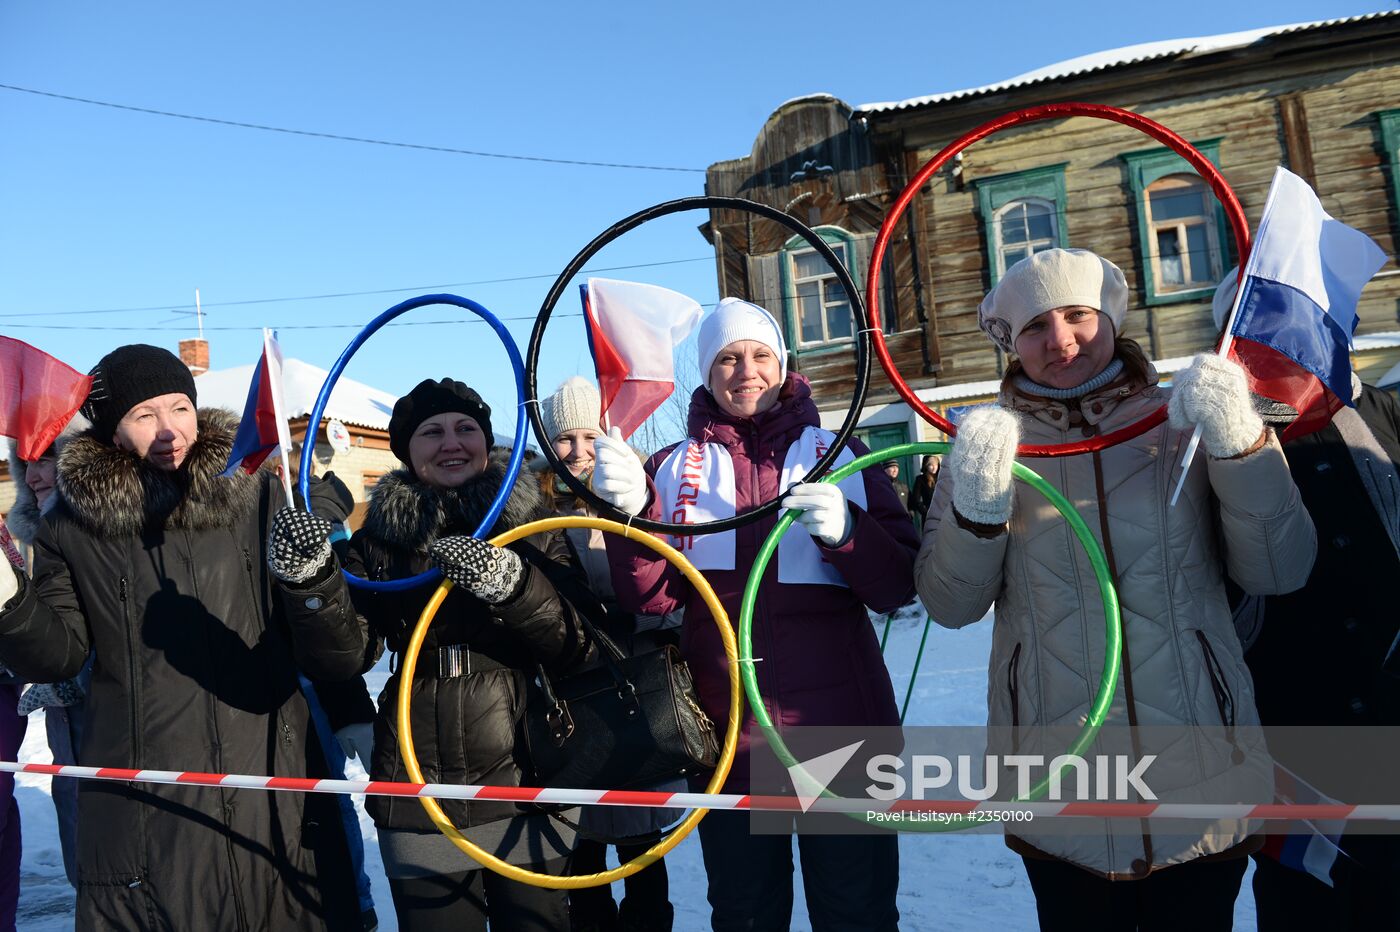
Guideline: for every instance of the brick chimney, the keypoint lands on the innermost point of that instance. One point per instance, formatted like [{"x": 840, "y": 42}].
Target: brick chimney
[{"x": 195, "y": 354}]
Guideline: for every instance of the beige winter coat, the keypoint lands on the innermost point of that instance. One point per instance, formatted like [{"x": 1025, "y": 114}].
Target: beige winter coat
[{"x": 1182, "y": 662}]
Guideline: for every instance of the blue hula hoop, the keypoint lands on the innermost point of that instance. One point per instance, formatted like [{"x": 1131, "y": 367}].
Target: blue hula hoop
[{"x": 517, "y": 452}]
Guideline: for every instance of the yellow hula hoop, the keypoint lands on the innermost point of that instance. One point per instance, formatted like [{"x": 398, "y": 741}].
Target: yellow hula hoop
[{"x": 726, "y": 757}]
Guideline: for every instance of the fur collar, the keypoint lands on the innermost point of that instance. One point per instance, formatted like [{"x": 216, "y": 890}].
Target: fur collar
[
  {"x": 407, "y": 514},
  {"x": 112, "y": 493},
  {"x": 24, "y": 515}
]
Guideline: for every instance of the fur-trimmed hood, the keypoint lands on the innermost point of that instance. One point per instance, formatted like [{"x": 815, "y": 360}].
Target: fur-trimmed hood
[
  {"x": 24, "y": 516},
  {"x": 407, "y": 514},
  {"x": 112, "y": 492}
]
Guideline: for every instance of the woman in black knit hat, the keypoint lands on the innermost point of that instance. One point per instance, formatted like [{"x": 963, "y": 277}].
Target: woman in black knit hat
[
  {"x": 200, "y": 598},
  {"x": 504, "y": 617}
]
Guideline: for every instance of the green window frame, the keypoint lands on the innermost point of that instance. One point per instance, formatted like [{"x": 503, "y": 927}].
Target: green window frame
[
  {"x": 843, "y": 243},
  {"x": 1390, "y": 138},
  {"x": 1044, "y": 186},
  {"x": 1146, "y": 167}
]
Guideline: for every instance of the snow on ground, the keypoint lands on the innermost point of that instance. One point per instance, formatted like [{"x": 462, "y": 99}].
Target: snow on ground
[{"x": 947, "y": 881}]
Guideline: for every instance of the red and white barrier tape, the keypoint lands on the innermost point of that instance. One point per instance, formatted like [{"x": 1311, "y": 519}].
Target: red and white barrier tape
[{"x": 647, "y": 798}]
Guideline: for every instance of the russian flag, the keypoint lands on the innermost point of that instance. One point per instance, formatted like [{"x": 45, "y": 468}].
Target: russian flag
[
  {"x": 1294, "y": 317},
  {"x": 262, "y": 429},
  {"x": 633, "y": 332},
  {"x": 1314, "y": 851}
]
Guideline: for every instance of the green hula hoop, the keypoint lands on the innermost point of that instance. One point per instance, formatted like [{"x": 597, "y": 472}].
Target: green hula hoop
[{"x": 1103, "y": 698}]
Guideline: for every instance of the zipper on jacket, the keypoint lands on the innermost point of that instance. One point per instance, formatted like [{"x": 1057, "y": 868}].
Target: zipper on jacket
[
  {"x": 1224, "y": 698},
  {"x": 133, "y": 675},
  {"x": 1012, "y": 688},
  {"x": 252, "y": 580},
  {"x": 1101, "y": 495},
  {"x": 227, "y": 807}
]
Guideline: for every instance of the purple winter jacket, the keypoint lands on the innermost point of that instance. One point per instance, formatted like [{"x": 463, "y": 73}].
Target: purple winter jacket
[{"x": 821, "y": 662}]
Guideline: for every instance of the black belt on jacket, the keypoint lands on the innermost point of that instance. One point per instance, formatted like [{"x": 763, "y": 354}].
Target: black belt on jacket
[{"x": 452, "y": 660}]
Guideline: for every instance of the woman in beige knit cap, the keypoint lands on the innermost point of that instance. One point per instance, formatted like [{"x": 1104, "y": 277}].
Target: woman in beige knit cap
[
  {"x": 571, "y": 418},
  {"x": 1074, "y": 376}
]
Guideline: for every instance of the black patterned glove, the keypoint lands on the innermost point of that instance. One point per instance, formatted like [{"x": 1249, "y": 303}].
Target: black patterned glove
[
  {"x": 298, "y": 545},
  {"x": 492, "y": 574}
]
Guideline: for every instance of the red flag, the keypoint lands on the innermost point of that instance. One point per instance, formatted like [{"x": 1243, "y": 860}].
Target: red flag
[
  {"x": 38, "y": 396},
  {"x": 633, "y": 331}
]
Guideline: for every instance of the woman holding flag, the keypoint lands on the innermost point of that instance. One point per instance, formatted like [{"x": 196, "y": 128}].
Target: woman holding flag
[
  {"x": 754, "y": 429},
  {"x": 200, "y": 599},
  {"x": 1060, "y": 312}
]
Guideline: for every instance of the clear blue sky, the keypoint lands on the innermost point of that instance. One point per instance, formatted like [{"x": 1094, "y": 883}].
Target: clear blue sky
[{"x": 103, "y": 208}]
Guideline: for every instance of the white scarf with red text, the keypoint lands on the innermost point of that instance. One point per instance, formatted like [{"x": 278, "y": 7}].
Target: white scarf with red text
[{"x": 695, "y": 484}]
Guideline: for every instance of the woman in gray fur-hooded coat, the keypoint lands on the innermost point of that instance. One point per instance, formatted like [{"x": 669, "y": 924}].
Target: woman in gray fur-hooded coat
[{"x": 162, "y": 574}]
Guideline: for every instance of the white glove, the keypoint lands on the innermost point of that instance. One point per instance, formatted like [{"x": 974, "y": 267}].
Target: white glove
[
  {"x": 823, "y": 511},
  {"x": 618, "y": 477},
  {"x": 357, "y": 740},
  {"x": 9, "y": 583},
  {"x": 980, "y": 464},
  {"x": 1214, "y": 393}
]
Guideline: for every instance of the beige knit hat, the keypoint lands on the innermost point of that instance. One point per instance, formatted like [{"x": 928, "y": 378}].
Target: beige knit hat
[
  {"x": 575, "y": 404},
  {"x": 1047, "y": 280}
]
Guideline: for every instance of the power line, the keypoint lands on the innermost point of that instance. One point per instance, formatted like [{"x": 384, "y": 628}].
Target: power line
[
  {"x": 450, "y": 150},
  {"x": 395, "y": 323},
  {"x": 422, "y": 289},
  {"x": 167, "y": 329}
]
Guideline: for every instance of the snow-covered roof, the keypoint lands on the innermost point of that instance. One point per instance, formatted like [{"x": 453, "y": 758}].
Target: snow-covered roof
[
  {"x": 1387, "y": 339},
  {"x": 351, "y": 402},
  {"x": 1113, "y": 58}
]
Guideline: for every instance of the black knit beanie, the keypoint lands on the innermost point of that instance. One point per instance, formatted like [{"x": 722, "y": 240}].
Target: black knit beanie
[
  {"x": 429, "y": 399},
  {"x": 129, "y": 375}
]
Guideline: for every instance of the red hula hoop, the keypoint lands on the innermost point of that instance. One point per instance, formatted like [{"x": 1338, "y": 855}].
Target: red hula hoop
[{"x": 1190, "y": 153}]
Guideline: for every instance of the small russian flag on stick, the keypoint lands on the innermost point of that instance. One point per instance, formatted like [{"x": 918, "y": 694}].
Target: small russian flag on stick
[
  {"x": 263, "y": 428},
  {"x": 1295, "y": 309}
]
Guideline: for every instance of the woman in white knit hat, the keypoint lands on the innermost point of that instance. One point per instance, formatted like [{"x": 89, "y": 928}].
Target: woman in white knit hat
[
  {"x": 1074, "y": 376},
  {"x": 754, "y": 432},
  {"x": 571, "y": 418}
]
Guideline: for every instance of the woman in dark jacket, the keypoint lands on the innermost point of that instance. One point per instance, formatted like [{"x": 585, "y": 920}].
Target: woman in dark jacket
[
  {"x": 161, "y": 568},
  {"x": 921, "y": 492},
  {"x": 503, "y": 619}
]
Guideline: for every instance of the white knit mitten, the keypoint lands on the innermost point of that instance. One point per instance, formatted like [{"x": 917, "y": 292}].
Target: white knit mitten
[
  {"x": 821, "y": 510},
  {"x": 618, "y": 476},
  {"x": 1214, "y": 393},
  {"x": 980, "y": 464}
]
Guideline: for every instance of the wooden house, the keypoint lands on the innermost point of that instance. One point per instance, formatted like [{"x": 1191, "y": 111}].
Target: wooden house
[{"x": 1322, "y": 99}]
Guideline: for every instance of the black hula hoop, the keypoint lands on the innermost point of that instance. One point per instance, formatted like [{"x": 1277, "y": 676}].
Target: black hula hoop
[{"x": 711, "y": 202}]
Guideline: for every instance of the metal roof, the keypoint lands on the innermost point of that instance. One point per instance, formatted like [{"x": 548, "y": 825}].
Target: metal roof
[
  {"x": 1115, "y": 58},
  {"x": 351, "y": 402}
]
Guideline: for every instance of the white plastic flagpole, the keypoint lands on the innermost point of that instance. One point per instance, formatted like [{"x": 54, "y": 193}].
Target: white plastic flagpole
[
  {"x": 273, "y": 354},
  {"x": 1224, "y": 351}
]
